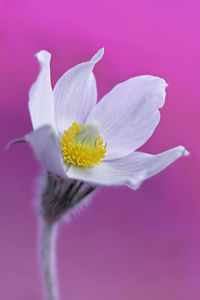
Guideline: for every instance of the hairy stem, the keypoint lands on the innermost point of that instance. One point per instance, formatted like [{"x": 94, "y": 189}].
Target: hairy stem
[
  {"x": 48, "y": 237},
  {"x": 58, "y": 197}
]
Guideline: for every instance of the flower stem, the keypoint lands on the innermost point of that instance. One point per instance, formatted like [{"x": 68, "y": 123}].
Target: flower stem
[
  {"x": 58, "y": 197},
  {"x": 48, "y": 237}
]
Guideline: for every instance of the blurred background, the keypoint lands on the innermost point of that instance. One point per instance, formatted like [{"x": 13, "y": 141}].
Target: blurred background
[{"x": 142, "y": 245}]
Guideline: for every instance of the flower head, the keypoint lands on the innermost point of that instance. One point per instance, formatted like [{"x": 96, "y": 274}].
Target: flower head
[{"x": 75, "y": 137}]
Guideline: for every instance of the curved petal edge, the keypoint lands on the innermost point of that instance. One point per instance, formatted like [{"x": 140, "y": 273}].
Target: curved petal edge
[
  {"x": 75, "y": 94},
  {"x": 47, "y": 149},
  {"x": 129, "y": 113},
  {"x": 41, "y": 104},
  {"x": 130, "y": 170}
]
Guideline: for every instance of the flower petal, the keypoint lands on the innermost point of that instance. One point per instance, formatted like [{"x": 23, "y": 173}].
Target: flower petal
[
  {"x": 47, "y": 149},
  {"x": 41, "y": 104},
  {"x": 130, "y": 170},
  {"x": 75, "y": 94},
  {"x": 128, "y": 114}
]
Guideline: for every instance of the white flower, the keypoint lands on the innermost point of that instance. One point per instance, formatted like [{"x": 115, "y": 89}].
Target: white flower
[{"x": 99, "y": 141}]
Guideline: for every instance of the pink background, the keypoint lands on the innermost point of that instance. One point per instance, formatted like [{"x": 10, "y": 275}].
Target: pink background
[{"x": 142, "y": 245}]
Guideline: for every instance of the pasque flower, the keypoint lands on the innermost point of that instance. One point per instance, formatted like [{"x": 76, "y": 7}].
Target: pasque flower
[
  {"x": 83, "y": 144},
  {"x": 75, "y": 137}
]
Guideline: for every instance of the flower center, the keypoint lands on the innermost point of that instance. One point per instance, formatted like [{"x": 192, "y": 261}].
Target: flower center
[{"x": 82, "y": 145}]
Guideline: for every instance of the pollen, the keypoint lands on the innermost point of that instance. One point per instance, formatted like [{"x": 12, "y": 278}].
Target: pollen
[{"x": 82, "y": 145}]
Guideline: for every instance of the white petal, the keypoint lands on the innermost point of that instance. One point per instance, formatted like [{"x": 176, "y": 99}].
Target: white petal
[
  {"x": 41, "y": 104},
  {"x": 47, "y": 149},
  {"x": 130, "y": 170},
  {"x": 128, "y": 115},
  {"x": 75, "y": 94}
]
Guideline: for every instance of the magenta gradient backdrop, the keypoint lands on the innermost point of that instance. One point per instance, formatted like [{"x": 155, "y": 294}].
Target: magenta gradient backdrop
[{"x": 126, "y": 245}]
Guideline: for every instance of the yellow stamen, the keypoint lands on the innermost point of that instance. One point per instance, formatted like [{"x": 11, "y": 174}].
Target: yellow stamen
[{"x": 82, "y": 145}]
